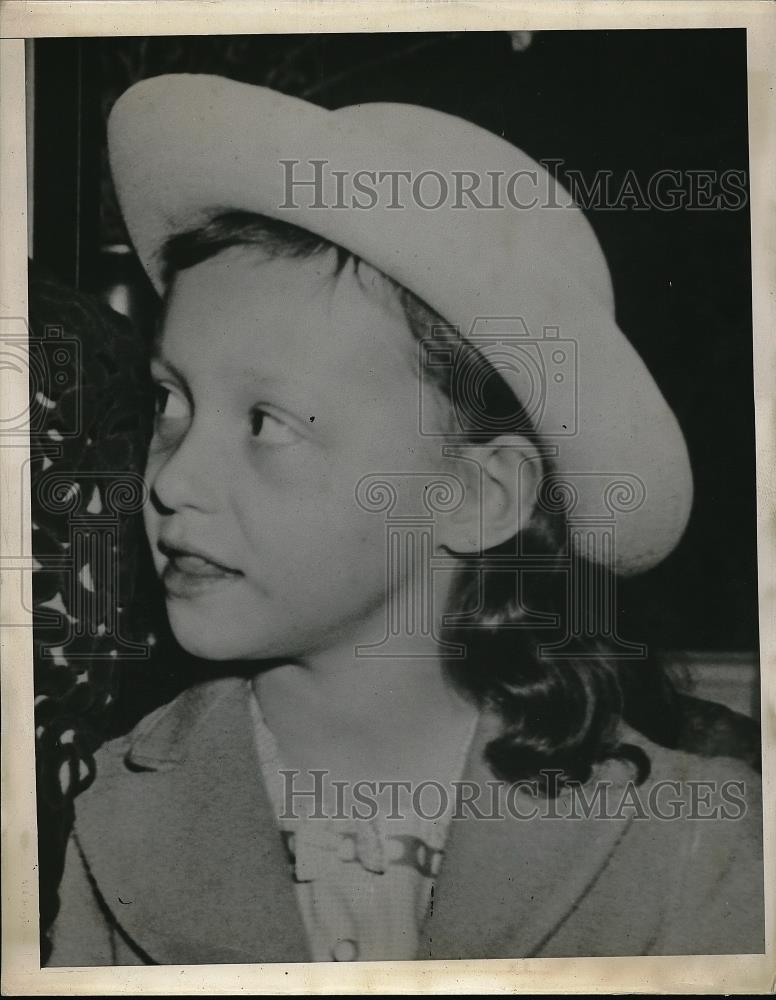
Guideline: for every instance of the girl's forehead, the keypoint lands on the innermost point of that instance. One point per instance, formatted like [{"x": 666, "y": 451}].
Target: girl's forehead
[{"x": 241, "y": 307}]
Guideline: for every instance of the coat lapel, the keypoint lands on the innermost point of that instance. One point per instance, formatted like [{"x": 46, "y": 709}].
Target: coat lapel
[
  {"x": 507, "y": 884},
  {"x": 199, "y": 874}
]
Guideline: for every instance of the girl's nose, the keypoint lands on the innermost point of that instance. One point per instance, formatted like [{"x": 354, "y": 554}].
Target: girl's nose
[{"x": 186, "y": 474}]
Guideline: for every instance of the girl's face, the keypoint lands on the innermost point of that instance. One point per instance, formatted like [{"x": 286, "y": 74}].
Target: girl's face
[{"x": 279, "y": 387}]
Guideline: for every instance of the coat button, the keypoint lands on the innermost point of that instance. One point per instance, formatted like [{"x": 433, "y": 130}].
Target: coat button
[{"x": 345, "y": 950}]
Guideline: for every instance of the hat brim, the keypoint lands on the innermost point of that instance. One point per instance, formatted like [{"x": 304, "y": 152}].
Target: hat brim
[{"x": 185, "y": 147}]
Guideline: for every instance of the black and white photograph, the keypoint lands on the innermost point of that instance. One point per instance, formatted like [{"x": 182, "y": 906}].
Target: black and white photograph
[{"x": 392, "y": 491}]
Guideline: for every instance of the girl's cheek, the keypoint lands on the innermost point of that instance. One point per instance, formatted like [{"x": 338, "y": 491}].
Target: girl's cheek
[
  {"x": 154, "y": 462},
  {"x": 166, "y": 437}
]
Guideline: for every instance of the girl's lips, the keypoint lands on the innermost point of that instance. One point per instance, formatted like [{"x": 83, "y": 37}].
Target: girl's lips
[
  {"x": 186, "y": 574},
  {"x": 193, "y": 565}
]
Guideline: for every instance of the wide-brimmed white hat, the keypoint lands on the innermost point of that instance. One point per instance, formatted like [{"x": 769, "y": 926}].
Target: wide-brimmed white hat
[{"x": 525, "y": 280}]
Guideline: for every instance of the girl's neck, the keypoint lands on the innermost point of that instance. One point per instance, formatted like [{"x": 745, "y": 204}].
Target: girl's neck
[
  {"x": 374, "y": 709},
  {"x": 365, "y": 692}
]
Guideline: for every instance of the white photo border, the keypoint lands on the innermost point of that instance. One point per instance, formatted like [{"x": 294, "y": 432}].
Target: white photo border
[{"x": 82, "y": 18}]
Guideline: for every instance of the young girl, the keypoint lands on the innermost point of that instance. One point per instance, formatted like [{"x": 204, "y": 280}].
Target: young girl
[{"x": 399, "y": 451}]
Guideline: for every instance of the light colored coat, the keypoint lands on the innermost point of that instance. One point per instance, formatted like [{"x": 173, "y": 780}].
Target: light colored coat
[{"x": 176, "y": 859}]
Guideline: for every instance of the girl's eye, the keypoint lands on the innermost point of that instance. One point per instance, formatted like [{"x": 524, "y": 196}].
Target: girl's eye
[
  {"x": 270, "y": 430},
  {"x": 170, "y": 404}
]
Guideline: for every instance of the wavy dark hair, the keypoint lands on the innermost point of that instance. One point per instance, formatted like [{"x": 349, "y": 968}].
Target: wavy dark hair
[{"x": 560, "y": 715}]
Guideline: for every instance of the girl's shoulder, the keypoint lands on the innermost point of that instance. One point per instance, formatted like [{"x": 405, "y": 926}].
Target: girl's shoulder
[
  {"x": 705, "y": 812},
  {"x": 163, "y": 739},
  {"x": 698, "y": 833}
]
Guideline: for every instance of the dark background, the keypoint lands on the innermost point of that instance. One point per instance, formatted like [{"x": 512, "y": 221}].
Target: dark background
[{"x": 611, "y": 100}]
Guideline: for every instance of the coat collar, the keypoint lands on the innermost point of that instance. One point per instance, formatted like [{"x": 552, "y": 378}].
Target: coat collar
[{"x": 188, "y": 787}]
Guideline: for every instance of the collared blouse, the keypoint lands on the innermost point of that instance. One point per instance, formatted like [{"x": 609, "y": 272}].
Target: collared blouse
[{"x": 364, "y": 886}]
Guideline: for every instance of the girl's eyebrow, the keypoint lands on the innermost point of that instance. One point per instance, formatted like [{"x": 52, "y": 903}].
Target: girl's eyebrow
[{"x": 257, "y": 378}]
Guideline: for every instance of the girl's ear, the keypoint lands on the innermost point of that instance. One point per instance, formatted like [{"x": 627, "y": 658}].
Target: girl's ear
[{"x": 500, "y": 479}]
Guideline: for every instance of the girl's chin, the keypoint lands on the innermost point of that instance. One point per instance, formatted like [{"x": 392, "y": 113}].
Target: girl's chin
[
  {"x": 209, "y": 640},
  {"x": 207, "y": 651}
]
